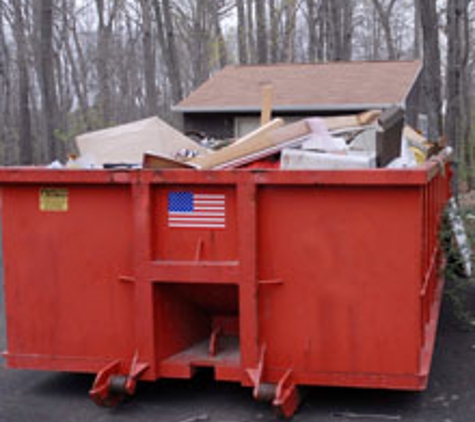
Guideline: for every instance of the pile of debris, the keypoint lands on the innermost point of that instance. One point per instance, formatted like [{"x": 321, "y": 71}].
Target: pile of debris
[{"x": 373, "y": 139}]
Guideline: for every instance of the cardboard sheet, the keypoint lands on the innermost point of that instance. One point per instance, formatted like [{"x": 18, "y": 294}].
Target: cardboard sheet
[{"x": 127, "y": 143}]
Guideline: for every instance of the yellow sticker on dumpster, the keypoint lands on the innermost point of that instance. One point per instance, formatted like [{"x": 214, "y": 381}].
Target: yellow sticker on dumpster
[{"x": 54, "y": 199}]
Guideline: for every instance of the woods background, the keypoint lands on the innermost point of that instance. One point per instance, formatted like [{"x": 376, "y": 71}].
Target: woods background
[{"x": 70, "y": 66}]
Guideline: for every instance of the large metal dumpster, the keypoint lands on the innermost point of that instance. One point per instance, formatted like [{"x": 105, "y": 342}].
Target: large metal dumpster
[{"x": 273, "y": 279}]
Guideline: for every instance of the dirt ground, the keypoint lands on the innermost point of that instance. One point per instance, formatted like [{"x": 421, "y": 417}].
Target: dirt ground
[{"x": 44, "y": 396}]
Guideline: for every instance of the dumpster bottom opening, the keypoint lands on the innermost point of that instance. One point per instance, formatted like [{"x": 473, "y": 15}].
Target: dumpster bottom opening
[
  {"x": 226, "y": 363},
  {"x": 197, "y": 326}
]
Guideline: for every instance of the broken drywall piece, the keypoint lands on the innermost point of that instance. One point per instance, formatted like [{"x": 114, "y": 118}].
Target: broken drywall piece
[
  {"x": 365, "y": 140},
  {"x": 296, "y": 159},
  {"x": 127, "y": 143}
]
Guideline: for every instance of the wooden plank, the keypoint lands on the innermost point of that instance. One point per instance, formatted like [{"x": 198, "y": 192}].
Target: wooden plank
[
  {"x": 156, "y": 161},
  {"x": 267, "y": 95},
  {"x": 354, "y": 120},
  {"x": 253, "y": 142}
]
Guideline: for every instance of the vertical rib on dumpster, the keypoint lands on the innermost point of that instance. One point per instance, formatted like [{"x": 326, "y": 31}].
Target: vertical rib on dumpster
[
  {"x": 144, "y": 321},
  {"x": 248, "y": 312}
]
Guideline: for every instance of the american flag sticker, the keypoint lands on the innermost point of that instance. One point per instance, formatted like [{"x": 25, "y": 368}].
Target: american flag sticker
[{"x": 194, "y": 210}]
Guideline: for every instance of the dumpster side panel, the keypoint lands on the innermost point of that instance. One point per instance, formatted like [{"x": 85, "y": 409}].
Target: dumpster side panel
[
  {"x": 66, "y": 307},
  {"x": 348, "y": 259}
]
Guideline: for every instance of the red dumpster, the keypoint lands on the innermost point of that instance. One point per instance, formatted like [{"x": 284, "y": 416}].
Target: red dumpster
[{"x": 272, "y": 279}]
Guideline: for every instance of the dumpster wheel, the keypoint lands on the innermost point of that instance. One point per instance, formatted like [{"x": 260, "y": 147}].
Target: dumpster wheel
[
  {"x": 113, "y": 384},
  {"x": 117, "y": 391}
]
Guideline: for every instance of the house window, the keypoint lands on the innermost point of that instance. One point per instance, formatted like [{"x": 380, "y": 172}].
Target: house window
[{"x": 245, "y": 125}]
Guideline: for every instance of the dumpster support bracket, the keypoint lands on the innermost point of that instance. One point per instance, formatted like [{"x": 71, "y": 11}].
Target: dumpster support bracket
[
  {"x": 256, "y": 375},
  {"x": 213, "y": 341},
  {"x": 112, "y": 383},
  {"x": 287, "y": 398}
]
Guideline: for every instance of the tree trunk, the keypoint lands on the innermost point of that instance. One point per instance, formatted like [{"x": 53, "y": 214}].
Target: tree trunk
[
  {"x": 251, "y": 44},
  {"x": 47, "y": 78},
  {"x": 416, "y": 54},
  {"x": 466, "y": 81},
  {"x": 312, "y": 31},
  {"x": 5, "y": 95},
  {"x": 347, "y": 30},
  {"x": 274, "y": 32},
  {"x": 218, "y": 35},
  {"x": 335, "y": 28},
  {"x": 261, "y": 31},
  {"x": 166, "y": 39},
  {"x": 453, "y": 84},
  {"x": 77, "y": 81},
  {"x": 290, "y": 12},
  {"x": 453, "y": 118},
  {"x": 432, "y": 80},
  {"x": 24, "y": 114},
  {"x": 385, "y": 19},
  {"x": 103, "y": 49},
  {"x": 242, "y": 44},
  {"x": 201, "y": 42},
  {"x": 174, "y": 70},
  {"x": 151, "y": 94},
  {"x": 322, "y": 30}
]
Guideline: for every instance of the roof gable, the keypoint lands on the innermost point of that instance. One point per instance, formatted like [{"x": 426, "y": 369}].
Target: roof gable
[{"x": 306, "y": 86}]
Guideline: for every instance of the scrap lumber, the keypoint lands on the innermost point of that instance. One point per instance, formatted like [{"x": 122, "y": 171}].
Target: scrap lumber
[
  {"x": 156, "y": 161},
  {"x": 267, "y": 99},
  {"x": 272, "y": 138},
  {"x": 245, "y": 149},
  {"x": 354, "y": 120}
]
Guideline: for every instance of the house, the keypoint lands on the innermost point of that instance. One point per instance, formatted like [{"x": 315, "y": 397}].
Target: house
[{"x": 228, "y": 104}]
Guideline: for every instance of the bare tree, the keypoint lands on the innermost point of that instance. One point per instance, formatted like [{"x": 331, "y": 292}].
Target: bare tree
[
  {"x": 216, "y": 8},
  {"x": 48, "y": 81},
  {"x": 6, "y": 138},
  {"x": 311, "y": 19},
  {"x": 384, "y": 14},
  {"x": 432, "y": 80},
  {"x": 68, "y": 66},
  {"x": 417, "y": 31},
  {"x": 149, "y": 58},
  {"x": 251, "y": 39},
  {"x": 467, "y": 98},
  {"x": 241, "y": 27},
  {"x": 261, "y": 31},
  {"x": 453, "y": 84},
  {"x": 166, "y": 38},
  {"x": 274, "y": 13},
  {"x": 25, "y": 133}
]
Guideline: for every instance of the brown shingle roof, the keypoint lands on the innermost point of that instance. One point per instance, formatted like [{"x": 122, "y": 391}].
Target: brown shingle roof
[{"x": 306, "y": 86}]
